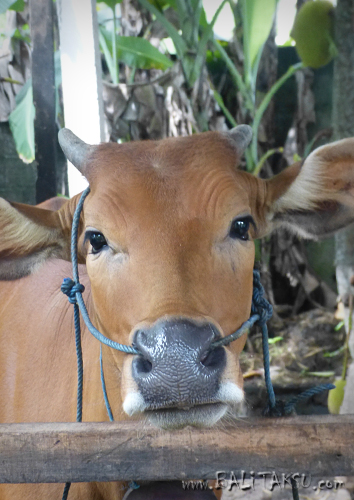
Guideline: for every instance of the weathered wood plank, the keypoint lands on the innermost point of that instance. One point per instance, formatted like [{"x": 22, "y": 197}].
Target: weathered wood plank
[{"x": 320, "y": 446}]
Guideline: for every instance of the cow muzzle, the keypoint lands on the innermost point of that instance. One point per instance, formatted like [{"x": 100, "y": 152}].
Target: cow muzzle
[{"x": 179, "y": 374}]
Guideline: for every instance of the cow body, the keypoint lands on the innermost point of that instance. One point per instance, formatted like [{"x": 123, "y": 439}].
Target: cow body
[
  {"x": 166, "y": 246},
  {"x": 43, "y": 362}
]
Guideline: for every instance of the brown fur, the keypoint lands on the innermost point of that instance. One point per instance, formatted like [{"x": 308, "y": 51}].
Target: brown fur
[{"x": 165, "y": 208}]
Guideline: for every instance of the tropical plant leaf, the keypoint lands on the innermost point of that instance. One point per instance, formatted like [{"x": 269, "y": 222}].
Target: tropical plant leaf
[
  {"x": 18, "y": 6},
  {"x": 139, "y": 53},
  {"x": 21, "y": 122},
  {"x": 195, "y": 10},
  {"x": 335, "y": 397},
  {"x": 104, "y": 14},
  {"x": 112, "y": 3},
  {"x": 5, "y": 5},
  {"x": 207, "y": 34},
  {"x": 203, "y": 22},
  {"x": 180, "y": 44},
  {"x": 258, "y": 16},
  {"x": 106, "y": 50},
  {"x": 162, "y": 4},
  {"x": 136, "y": 52},
  {"x": 22, "y": 34}
]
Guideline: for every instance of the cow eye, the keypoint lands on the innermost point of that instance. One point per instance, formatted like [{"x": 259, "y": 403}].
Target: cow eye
[
  {"x": 97, "y": 240},
  {"x": 239, "y": 229}
]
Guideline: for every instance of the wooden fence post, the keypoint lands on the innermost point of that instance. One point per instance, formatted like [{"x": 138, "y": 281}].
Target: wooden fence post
[{"x": 43, "y": 80}]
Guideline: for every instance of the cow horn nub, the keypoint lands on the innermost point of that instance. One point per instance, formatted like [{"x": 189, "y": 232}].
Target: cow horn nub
[
  {"x": 241, "y": 136},
  {"x": 76, "y": 150}
]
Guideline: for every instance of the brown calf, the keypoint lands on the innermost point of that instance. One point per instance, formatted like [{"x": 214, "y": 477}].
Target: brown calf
[{"x": 167, "y": 252}]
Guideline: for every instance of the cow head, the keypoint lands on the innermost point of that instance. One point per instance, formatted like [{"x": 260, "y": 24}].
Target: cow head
[{"x": 167, "y": 236}]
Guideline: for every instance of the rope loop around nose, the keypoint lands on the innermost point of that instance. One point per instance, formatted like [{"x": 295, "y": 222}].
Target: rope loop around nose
[{"x": 261, "y": 312}]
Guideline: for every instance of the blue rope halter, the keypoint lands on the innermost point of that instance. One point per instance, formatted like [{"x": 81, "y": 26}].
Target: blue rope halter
[
  {"x": 261, "y": 309},
  {"x": 261, "y": 312}
]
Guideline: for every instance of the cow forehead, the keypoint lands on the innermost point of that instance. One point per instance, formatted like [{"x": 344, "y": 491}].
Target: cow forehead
[
  {"x": 185, "y": 177},
  {"x": 171, "y": 160}
]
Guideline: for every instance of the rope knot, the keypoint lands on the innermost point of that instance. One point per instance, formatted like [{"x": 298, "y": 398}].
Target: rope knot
[
  {"x": 260, "y": 304},
  {"x": 277, "y": 410},
  {"x": 70, "y": 288}
]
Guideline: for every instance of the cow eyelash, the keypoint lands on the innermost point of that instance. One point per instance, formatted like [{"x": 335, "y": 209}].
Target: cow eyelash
[
  {"x": 239, "y": 229},
  {"x": 96, "y": 240}
]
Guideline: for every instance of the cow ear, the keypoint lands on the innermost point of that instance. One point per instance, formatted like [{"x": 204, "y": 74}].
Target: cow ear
[
  {"x": 31, "y": 235},
  {"x": 315, "y": 199}
]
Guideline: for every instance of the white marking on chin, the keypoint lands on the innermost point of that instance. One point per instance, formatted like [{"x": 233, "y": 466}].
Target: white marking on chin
[
  {"x": 230, "y": 393},
  {"x": 134, "y": 403},
  {"x": 198, "y": 416}
]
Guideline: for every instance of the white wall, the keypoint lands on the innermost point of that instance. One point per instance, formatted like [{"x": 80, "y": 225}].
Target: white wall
[{"x": 81, "y": 76}]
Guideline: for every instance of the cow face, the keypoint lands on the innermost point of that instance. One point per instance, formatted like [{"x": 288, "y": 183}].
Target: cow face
[
  {"x": 169, "y": 252},
  {"x": 167, "y": 237}
]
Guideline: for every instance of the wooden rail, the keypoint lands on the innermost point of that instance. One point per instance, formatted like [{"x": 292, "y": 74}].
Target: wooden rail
[{"x": 56, "y": 452}]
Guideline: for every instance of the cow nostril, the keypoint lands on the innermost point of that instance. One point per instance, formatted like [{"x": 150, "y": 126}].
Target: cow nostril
[
  {"x": 143, "y": 365},
  {"x": 213, "y": 358}
]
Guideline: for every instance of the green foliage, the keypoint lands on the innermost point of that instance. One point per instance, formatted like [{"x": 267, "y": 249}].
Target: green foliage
[
  {"x": 339, "y": 326},
  {"x": 335, "y": 353},
  {"x": 21, "y": 120},
  {"x": 22, "y": 33},
  {"x": 275, "y": 340},
  {"x": 191, "y": 43},
  {"x": 257, "y": 17},
  {"x": 111, "y": 55},
  {"x": 179, "y": 42},
  {"x": 139, "y": 53},
  {"x": 112, "y": 3},
  {"x": 136, "y": 52},
  {"x": 21, "y": 123},
  {"x": 335, "y": 397},
  {"x": 261, "y": 110},
  {"x": 224, "y": 109},
  {"x": 162, "y": 4},
  {"x": 18, "y": 6},
  {"x": 5, "y": 5},
  {"x": 313, "y": 32}
]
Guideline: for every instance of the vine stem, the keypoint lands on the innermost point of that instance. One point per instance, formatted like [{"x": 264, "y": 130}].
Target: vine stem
[
  {"x": 235, "y": 75},
  {"x": 350, "y": 326},
  {"x": 261, "y": 162},
  {"x": 115, "y": 76},
  {"x": 264, "y": 104}
]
